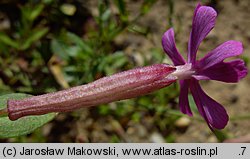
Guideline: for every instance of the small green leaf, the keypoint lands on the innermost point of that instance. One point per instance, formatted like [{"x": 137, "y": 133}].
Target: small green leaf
[
  {"x": 7, "y": 40},
  {"x": 121, "y": 6},
  {"x": 35, "y": 12},
  {"x": 192, "y": 104},
  {"x": 78, "y": 41},
  {"x": 59, "y": 48},
  {"x": 34, "y": 36},
  {"x": 106, "y": 15},
  {"x": 23, "y": 125},
  {"x": 146, "y": 6}
]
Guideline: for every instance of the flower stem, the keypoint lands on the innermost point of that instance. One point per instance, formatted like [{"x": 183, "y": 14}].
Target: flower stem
[{"x": 123, "y": 85}]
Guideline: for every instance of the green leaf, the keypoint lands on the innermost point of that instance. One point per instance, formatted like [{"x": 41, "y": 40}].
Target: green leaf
[
  {"x": 78, "y": 41},
  {"x": 23, "y": 125},
  {"x": 7, "y": 40},
  {"x": 31, "y": 12},
  {"x": 122, "y": 10},
  {"x": 111, "y": 62},
  {"x": 106, "y": 15},
  {"x": 192, "y": 104},
  {"x": 34, "y": 36},
  {"x": 146, "y": 6},
  {"x": 59, "y": 48},
  {"x": 121, "y": 6},
  {"x": 35, "y": 12}
]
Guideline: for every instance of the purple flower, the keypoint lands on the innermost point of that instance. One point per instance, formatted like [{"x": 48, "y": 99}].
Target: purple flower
[{"x": 210, "y": 67}]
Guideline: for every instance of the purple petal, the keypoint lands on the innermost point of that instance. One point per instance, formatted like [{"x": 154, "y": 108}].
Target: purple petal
[
  {"x": 183, "y": 98},
  {"x": 203, "y": 23},
  {"x": 168, "y": 43},
  {"x": 227, "y": 49},
  {"x": 230, "y": 72},
  {"x": 214, "y": 113}
]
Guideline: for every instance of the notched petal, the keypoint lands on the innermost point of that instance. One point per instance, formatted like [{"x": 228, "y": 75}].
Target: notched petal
[
  {"x": 203, "y": 22},
  {"x": 213, "y": 112},
  {"x": 183, "y": 98},
  {"x": 230, "y": 72},
  {"x": 168, "y": 43},
  {"x": 227, "y": 49}
]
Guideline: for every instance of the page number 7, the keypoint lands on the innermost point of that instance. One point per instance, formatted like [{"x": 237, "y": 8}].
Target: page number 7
[{"x": 243, "y": 150}]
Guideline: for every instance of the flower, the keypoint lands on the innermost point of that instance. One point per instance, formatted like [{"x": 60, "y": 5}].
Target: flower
[{"x": 210, "y": 67}]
